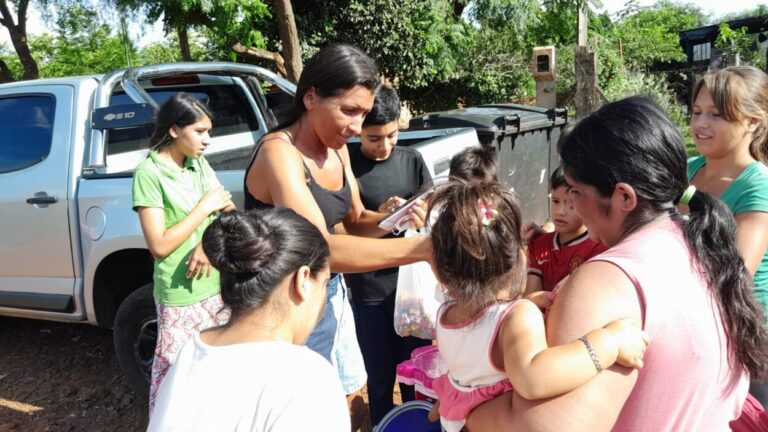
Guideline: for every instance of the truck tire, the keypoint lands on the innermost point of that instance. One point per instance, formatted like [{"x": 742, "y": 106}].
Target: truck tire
[{"x": 135, "y": 335}]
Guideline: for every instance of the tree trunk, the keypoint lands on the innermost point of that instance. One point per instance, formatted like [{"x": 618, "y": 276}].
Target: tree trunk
[
  {"x": 262, "y": 54},
  {"x": 181, "y": 30},
  {"x": 5, "y": 73},
  {"x": 289, "y": 36},
  {"x": 458, "y": 8},
  {"x": 18, "y": 34}
]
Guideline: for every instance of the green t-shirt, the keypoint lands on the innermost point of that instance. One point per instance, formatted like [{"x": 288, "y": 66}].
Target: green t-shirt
[
  {"x": 162, "y": 184},
  {"x": 747, "y": 192}
]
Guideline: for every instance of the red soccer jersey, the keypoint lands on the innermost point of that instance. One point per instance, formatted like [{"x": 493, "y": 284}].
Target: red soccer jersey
[{"x": 552, "y": 261}]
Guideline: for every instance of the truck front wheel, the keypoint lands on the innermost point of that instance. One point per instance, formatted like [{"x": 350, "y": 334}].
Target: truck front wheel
[{"x": 135, "y": 335}]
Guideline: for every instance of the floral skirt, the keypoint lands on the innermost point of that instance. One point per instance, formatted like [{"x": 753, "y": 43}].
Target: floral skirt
[{"x": 175, "y": 326}]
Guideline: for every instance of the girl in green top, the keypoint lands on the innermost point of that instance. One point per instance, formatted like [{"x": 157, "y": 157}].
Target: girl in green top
[
  {"x": 177, "y": 195},
  {"x": 730, "y": 129}
]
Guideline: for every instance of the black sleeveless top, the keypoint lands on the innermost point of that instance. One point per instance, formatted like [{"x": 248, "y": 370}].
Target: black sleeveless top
[{"x": 334, "y": 205}]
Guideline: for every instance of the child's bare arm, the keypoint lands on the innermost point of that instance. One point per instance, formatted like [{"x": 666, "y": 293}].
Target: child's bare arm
[
  {"x": 532, "y": 284},
  {"x": 537, "y": 371}
]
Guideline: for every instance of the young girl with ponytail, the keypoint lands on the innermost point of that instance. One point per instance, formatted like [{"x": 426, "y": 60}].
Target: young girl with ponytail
[{"x": 492, "y": 340}]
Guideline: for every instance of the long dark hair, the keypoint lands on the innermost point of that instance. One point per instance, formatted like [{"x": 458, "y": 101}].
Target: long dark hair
[
  {"x": 255, "y": 250},
  {"x": 181, "y": 110},
  {"x": 632, "y": 141},
  {"x": 331, "y": 71},
  {"x": 476, "y": 240}
]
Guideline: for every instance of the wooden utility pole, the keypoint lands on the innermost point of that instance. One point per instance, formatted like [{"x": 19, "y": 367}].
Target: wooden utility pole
[
  {"x": 587, "y": 95},
  {"x": 582, "y": 23}
]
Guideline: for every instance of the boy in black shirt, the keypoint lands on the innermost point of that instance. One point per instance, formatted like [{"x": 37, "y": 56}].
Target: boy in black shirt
[{"x": 386, "y": 174}]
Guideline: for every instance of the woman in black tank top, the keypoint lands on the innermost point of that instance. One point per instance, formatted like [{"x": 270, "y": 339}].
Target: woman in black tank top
[
  {"x": 333, "y": 205},
  {"x": 304, "y": 165}
]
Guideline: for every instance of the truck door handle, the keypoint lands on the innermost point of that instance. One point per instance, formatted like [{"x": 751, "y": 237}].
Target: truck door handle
[{"x": 42, "y": 199}]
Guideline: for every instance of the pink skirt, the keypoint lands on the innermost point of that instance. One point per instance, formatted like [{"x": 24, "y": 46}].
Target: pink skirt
[{"x": 456, "y": 404}]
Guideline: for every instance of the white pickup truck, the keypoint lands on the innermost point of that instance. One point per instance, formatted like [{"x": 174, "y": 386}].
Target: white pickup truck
[{"x": 71, "y": 248}]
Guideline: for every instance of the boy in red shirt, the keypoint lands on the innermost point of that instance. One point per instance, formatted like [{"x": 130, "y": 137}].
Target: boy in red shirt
[{"x": 553, "y": 256}]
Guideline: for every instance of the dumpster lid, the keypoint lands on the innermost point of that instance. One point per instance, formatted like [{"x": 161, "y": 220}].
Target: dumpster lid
[{"x": 501, "y": 118}]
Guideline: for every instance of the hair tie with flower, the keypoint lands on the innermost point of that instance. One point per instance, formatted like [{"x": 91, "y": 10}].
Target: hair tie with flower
[{"x": 486, "y": 213}]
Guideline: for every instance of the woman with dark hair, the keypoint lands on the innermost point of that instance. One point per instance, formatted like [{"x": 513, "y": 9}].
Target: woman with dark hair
[
  {"x": 730, "y": 129},
  {"x": 681, "y": 277},
  {"x": 305, "y": 166},
  {"x": 177, "y": 195},
  {"x": 252, "y": 374}
]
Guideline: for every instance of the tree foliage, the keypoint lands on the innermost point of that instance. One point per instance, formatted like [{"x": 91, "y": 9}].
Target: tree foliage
[
  {"x": 736, "y": 42},
  {"x": 16, "y": 25},
  {"x": 413, "y": 42},
  {"x": 226, "y": 24},
  {"x": 80, "y": 44},
  {"x": 652, "y": 35},
  {"x": 439, "y": 54}
]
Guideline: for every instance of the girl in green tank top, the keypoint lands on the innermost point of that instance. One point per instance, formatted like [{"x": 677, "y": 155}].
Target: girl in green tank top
[{"x": 729, "y": 124}]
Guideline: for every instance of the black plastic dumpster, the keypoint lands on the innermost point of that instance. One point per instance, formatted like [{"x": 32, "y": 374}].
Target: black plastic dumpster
[{"x": 525, "y": 140}]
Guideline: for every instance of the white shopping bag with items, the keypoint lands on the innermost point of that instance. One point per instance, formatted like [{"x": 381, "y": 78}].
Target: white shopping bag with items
[{"x": 418, "y": 297}]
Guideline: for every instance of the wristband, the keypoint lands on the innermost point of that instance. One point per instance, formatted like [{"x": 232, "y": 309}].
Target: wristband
[{"x": 592, "y": 353}]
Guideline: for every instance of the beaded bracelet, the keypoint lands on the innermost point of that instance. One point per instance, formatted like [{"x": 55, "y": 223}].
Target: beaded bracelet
[{"x": 592, "y": 353}]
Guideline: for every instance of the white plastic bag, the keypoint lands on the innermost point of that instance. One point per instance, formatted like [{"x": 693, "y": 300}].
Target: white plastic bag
[{"x": 418, "y": 297}]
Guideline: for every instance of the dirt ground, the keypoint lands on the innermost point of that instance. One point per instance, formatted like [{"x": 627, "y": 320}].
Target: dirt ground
[{"x": 63, "y": 378}]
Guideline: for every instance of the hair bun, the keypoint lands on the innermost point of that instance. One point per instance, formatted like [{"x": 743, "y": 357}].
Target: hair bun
[{"x": 229, "y": 250}]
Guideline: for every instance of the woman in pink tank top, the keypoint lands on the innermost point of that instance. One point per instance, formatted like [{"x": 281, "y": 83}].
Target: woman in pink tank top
[{"x": 682, "y": 276}]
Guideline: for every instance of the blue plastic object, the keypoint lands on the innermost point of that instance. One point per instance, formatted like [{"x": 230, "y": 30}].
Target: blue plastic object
[{"x": 409, "y": 417}]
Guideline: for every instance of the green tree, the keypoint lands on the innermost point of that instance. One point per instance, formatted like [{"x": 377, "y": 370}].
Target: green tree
[
  {"x": 168, "y": 51},
  {"x": 738, "y": 43},
  {"x": 438, "y": 53},
  {"x": 232, "y": 25},
  {"x": 81, "y": 44},
  {"x": 412, "y": 42},
  {"x": 652, "y": 35},
  {"x": 10, "y": 66},
  {"x": 17, "y": 29},
  {"x": 159, "y": 52}
]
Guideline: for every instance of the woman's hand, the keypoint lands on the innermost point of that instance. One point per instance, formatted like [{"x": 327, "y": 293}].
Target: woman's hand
[
  {"x": 216, "y": 199},
  {"x": 391, "y": 204},
  {"x": 198, "y": 264},
  {"x": 630, "y": 340}
]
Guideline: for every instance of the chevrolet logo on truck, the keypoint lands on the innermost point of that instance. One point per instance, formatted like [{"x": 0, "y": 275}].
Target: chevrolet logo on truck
[
  {"x": 123, "y": 116},
  {"x": 120, "y": 116}
]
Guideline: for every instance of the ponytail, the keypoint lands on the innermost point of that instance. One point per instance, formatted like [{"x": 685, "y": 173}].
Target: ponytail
[
  {"x": 710, "y": 232},
  {"x": 640, "y": 146}
]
